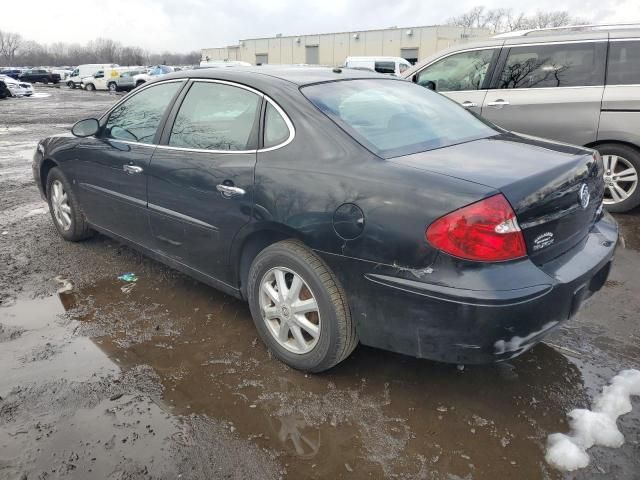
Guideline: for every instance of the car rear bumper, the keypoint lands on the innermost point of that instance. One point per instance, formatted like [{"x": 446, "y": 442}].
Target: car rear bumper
[{"x": 464, "y": 312}]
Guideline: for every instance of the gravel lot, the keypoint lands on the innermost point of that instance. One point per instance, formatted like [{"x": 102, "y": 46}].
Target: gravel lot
[{"x": 166, "y": 377}]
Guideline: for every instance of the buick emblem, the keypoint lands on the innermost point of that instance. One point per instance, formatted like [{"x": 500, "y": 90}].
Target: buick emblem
[{"x": 584, "y": 195}]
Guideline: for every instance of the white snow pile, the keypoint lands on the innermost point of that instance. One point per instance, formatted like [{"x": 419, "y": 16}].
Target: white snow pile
[{"x": 596, "y": 426}]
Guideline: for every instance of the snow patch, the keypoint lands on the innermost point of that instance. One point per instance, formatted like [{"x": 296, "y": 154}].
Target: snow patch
[{"x": 594, "y": 427}]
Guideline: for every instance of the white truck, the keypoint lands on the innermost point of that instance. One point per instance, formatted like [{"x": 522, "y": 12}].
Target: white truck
[
  {"x": 105, "y": 79},
  {"x": 86, "y": 70}
]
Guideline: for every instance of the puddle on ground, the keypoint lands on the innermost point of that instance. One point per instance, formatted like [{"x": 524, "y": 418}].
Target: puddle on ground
[{"x": 377, "y": 414}]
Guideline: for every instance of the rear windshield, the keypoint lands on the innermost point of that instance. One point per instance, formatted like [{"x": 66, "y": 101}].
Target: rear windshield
[{"x": 395, "y": 117}]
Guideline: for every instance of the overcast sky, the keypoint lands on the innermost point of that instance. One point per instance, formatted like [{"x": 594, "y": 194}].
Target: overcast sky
[{"x": 184, "y": 25}]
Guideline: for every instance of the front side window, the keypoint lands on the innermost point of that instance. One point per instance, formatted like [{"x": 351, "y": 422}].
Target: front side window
[
  {"x": 393, "y": 117},
  {"x": 216, "y": 116},
  {"x": 624, "y": 63},
  {"x": 138, "y": 118},
  {"x": 562, "y": 65},
  {"x": 276, "y": 130},
  {"x": 458, "y": 72}
]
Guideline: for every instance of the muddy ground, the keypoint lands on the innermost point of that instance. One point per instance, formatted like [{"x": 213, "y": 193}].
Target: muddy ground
[{"x": 166, "y": 378}]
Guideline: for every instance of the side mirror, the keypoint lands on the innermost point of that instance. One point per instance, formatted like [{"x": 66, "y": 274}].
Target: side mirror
[{"x": 86, "y": 128}]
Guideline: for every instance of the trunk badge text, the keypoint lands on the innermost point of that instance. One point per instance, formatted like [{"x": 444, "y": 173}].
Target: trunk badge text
[
  {"x": 584, "y": 195},
  {"x": 543, "y": 240}
]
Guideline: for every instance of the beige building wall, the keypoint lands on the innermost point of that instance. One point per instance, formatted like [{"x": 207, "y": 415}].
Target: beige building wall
[{"x": 334, "y": 48}]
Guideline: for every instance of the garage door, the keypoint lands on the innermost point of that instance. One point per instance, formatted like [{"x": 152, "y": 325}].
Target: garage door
[
  {"x": 410, "y": 55},
  {"x": 313, "y": 55},
  {"x": 262, "y": 58}
]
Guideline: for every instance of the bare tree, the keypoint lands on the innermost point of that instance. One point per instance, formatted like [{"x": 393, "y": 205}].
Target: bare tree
[
  {"x": 500, "y": 20},
  {"x": 9, "y": 45}
]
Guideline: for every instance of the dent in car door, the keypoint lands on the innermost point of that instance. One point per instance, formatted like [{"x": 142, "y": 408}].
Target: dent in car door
[
  {"x": 462, "y": 76},
  {"x": 552, "y": 91},
  {"x": 111, "y": 170},
  {"x": 200, "y": 187}
]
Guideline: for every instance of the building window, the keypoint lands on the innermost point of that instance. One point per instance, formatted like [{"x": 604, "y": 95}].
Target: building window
[
  {"x": 410, "y": 55},
  {"x": 262, "y": 59}
]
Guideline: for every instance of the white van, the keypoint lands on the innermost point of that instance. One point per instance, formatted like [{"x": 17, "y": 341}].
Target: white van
[
  {"x": 86, "y": 70},
  {"x": 389, "y": 65},
  {"x": 105, "y": 79}
]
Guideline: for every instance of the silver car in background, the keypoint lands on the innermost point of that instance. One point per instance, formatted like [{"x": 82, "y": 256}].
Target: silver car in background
[
  {"x": 127, "y": 80},
  {"x": 578, "y": 85}
]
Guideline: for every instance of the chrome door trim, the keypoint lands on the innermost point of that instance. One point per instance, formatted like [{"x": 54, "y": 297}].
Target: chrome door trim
[{"x": 181, "y": 216}]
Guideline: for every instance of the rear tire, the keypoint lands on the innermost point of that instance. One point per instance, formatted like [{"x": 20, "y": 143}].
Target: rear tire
[
  {"x": 112, "y": 87},
  {"x": 622, "y": 157},
  {"x": 140, "y": 83},
  {"x": 90, "y": 87},
  {"x": 329, "y": 319},
  {"x": 65, "y": 209}
]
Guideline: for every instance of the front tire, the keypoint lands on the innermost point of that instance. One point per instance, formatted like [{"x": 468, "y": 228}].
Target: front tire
[
  {"x": 65, "y": 208},
  {"x": 299, "y": 308},
  {"x": 71, "y": 85},
  {"x": 90, "y": 87},
  {"x": 621, "y": 175}
]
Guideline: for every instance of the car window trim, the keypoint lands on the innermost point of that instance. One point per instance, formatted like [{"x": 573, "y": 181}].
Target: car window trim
[
  {"x": 171, "y": 119},
  {"x": 507, "y": 50},
  {"x": 492, "y": 64}
]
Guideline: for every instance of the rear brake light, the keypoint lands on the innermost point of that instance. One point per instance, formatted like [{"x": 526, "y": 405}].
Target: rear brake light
[{"x": 485, "y": 231}]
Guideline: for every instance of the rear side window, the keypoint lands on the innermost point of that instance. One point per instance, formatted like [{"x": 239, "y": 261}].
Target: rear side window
[
  {"x": 215, "y": 116},
  {"x": 562, "y": 65},
  {"x": 385, "y": 67},
  {"x": 394, "y": 117},
  {"x": 276, "y": 130},
  {"x": 137, "y": 118},
  {"x": 458, "y": 72},
  {"x": 624, "y": 63}
]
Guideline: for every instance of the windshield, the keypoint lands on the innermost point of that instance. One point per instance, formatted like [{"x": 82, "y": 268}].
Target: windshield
[{"x": 394, "y": 118}]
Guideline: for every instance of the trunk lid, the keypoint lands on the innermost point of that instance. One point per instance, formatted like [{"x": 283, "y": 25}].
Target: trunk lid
[{"x": 556, "y": 190}]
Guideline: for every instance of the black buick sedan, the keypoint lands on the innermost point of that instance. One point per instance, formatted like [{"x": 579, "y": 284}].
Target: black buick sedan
[{"x": 345, "y": 207}]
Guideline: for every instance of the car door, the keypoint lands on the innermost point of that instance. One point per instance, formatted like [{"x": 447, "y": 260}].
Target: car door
[
  {"x": 200, "y": 186},
  {"x": 462, "y": 76},
  {"x": 551, "y": 90},
  {"x": 111, "y": 168}
]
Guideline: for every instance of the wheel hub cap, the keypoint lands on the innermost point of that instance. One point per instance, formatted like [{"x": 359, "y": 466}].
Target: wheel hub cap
[
  {"x": 620, "y": 179},
  {"x": 289, "y": 310},
  {"x": 60, "y": 205}
]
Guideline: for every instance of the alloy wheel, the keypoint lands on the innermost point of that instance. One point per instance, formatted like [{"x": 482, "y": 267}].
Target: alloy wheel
[
  {"x": 60, "y": 205},
  {"x": 620, "y": 179},
  {"x": 290, "y": 310}
]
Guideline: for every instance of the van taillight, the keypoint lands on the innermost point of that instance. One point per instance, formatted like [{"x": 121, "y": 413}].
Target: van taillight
[{"x": 485, "y": 231}]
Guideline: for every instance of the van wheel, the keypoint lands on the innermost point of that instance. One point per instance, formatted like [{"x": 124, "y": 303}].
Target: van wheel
[
  {"x": 71, "y": 85},
  {"x": 65, "y": 209},
  {"x": 90, "y": 87},
  {"x": 621, "y": 169},
  {"x": 299, "y": 308},
  {"x": 112, "y": 87}
]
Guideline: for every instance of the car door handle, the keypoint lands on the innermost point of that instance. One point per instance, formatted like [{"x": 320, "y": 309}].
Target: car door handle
[
  {"x": 498, "y": 103},
  {"x": 229, "y": 191},
  {"x": 132, "y": 169},
  {"x": 469, "y": 104}
]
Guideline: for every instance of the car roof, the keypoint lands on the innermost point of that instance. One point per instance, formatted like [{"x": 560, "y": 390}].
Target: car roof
[{"x": 298, "y": 75}]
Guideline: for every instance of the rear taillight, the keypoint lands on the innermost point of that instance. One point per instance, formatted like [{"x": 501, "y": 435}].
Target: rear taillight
[{"x": 485, "y": 231}]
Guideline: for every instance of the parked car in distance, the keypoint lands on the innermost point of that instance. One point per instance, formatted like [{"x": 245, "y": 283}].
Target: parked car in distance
[
  {"x": 4, "y": 90},
  {"x": 387, "y": 65},
  {"x": 104, "y": 79},
  {"x": 223, "y": 63},
  {"x": 11, "y": 72},
  {"x": 578, "y": 85},
  {"x": 39, "y": 75},
  {"x": 86, "y": 70},
  {"x": 127, "y": 80},
  {"x": 345, "y": 206},
  {"x": 152, "y": 74},
  {"x": 17, "y": 88}
]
